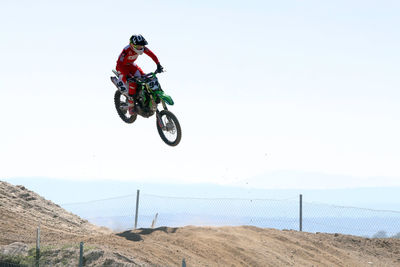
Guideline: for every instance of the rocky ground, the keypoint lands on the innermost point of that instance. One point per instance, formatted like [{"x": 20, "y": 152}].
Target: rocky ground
[{"x": 22, "y": 210}]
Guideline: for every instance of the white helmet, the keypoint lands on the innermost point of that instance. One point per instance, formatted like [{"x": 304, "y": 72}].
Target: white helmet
[{"x": 137, "y": 43}]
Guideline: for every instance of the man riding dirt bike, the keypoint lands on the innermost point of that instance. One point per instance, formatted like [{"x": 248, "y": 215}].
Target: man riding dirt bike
[
  {"x": 127, "y": 67},
  {"x": 139, "y": 93}
]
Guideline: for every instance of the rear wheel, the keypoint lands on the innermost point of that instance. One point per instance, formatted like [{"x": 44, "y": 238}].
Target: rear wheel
[
  {"x": 121, "y": 105},
  {"x": 169, "y": 128}
]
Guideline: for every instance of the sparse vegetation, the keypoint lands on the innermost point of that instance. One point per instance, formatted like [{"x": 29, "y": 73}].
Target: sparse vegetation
[
  {"x": 28, "y": 260},
  {"x": 383, "y": 234},
  {"x": 67, "y": 255},
  {"x": 396, "y": 235},
  {"x": 380, "y": 234}
]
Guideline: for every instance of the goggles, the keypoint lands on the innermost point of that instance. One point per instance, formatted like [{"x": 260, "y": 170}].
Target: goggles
[{"x": 138, "y": 47}]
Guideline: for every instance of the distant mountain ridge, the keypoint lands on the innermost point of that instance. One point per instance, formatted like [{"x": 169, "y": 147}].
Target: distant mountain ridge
[{"x": 60, "y": 190}]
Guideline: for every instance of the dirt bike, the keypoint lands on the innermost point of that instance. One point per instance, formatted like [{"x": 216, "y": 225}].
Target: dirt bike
[{"x": 149, "y": 95}]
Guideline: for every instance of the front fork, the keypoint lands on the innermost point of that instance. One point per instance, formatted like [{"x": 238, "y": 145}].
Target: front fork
[
  {"x": 164, "y": 105},
  {"x": 159, "y": 120}
]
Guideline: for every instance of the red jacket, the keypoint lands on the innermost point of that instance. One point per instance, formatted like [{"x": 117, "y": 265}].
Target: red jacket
[{"x": 128, "y": 56}]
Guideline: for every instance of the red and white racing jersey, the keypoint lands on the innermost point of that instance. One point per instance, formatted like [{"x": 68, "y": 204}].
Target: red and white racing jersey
[
  {"x": 128, "y": 56},
  {"x": 127, "y": 67}
]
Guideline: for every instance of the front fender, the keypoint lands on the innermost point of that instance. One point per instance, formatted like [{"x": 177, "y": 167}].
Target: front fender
[{"x": 167, "y": 99}]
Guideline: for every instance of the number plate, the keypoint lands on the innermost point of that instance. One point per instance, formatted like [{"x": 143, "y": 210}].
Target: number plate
[{"x": 154, "y": 85}]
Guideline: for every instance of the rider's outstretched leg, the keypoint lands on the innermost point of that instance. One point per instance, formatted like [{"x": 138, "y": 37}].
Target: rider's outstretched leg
[{"x": 132, "y": 102}]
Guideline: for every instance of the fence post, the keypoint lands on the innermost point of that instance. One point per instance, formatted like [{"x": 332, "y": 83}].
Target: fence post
[
  {"x": 81, "y": 254},
  {"x": 301, "y": 212},
  {"x": 137, "y": 207},
  {"x": 37, "y": 246},
  {"x": 154, "y": 221}
]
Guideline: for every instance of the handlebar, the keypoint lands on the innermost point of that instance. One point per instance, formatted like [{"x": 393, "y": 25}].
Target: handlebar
[{"x": 143, "y": 77}]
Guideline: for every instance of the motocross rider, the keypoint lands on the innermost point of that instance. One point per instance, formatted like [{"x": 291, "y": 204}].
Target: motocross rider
[{"x": 127, "y": 67}]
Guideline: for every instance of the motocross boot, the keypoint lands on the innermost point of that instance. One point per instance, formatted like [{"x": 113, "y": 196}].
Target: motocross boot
[{"x": 132, "y": 98}]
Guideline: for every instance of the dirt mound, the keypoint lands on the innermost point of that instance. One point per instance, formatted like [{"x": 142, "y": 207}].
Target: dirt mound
[
  {"x": 21, "y": 210},
  {"x": 252, "y": 246}
]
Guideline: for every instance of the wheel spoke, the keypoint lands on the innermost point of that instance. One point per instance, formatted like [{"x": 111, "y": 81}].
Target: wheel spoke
[
  {"x": 121, "y": 104},
  {"x": 170, "y": 129}
]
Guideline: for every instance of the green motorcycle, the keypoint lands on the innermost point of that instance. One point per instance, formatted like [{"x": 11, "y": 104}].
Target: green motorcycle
[{"x": 149, "y": 95}]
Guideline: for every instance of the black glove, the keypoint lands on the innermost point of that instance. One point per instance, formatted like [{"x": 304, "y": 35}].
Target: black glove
[{"x": 159, "y": 68}]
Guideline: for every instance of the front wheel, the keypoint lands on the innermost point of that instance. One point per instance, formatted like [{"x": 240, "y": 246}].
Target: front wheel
[
  {"x": 169, "y": 128},
  {"x": 121, "y": 105}
]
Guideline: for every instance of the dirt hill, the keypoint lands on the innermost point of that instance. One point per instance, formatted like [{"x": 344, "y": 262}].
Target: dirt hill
[{"x": 21, "y": 210}]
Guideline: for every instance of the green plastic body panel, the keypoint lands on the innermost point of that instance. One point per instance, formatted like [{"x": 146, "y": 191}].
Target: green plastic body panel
[{"x": 167, "y": 99}]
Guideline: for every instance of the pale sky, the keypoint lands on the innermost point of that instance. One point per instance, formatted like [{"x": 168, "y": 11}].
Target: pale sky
[{"x": 275, "y": 93}]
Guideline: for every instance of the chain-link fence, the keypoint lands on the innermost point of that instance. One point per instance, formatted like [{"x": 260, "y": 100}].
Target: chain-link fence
[
  {"x": 43, "y": 247},
  {"x": 154, "y": 210},
  {"x": 5, "y": 263}
]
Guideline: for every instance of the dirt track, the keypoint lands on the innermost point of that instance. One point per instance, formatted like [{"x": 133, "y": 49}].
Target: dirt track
[{"x": 20, "y": 210}]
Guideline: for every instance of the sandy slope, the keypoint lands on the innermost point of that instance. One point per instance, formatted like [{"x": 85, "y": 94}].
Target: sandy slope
[
  {"x": 21, "y": 209},
  {"x": 251, "y": 246}
]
